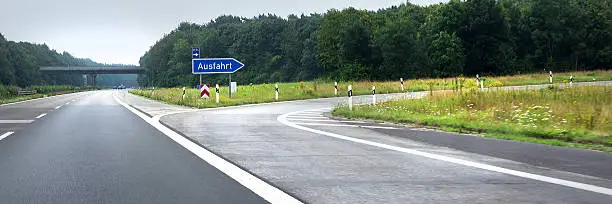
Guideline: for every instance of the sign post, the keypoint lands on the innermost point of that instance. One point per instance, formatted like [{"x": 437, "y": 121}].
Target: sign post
[
  {"x": 216, "y": 66},
  {"x": 195, "y": 54}
]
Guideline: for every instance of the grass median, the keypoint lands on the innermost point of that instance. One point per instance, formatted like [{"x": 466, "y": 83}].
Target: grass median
[
  {"x": 8, "y": 94},
  {"x": 262, "y": 93},
  {"x": 577, "y": 116}
]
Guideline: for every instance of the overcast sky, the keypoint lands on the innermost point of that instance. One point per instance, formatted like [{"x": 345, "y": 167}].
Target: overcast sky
[{"x": 120, "y": 31}]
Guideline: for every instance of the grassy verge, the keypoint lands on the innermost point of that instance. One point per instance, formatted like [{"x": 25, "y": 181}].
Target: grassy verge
[
  {"x": 573, "y": 116},
  {"x": 261, "y": 93},
  {"x": 8, "y": 94}
]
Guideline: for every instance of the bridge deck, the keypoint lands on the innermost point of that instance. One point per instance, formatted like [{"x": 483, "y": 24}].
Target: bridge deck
[{"x": 95, "y": 70}]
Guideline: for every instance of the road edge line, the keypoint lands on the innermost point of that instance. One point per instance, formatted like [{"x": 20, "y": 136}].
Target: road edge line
[
  {"x": 246, "y": 179},
  {"x": 587, "y": 187},
  {"x": 5, "y": 135}
]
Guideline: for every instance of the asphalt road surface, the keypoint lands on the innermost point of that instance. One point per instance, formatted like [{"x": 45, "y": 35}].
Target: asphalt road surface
[
  {"x": 93, "y": 150},
  {"x": 113, "y": 147}
]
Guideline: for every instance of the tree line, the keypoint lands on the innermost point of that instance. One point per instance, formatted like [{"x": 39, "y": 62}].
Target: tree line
[
  {"x": 20, "y": 62},
  {"x": 487, "y": 37}
]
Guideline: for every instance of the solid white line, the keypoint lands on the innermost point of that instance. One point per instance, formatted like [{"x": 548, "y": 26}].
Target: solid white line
[
  {"x": 5, "y": 135},
  {"x": 332, "y": 121},
  {"x": 346, "y": 125},
  {"x": 57, "y": 107},
  {"x": 307, "y": 117},
  {"x": 258, "y": 186},
  {"x": 586, "y": 187},
  {"x": 41, "y": 115},
  {"x": 308, "y": 114},
  {"x": 15, "y": 121}
]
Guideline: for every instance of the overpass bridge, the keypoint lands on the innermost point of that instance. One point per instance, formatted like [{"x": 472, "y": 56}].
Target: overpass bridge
[{"x": 93, "y": 70}]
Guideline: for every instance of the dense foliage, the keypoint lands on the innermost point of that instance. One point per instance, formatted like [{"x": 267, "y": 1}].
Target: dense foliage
[
  {"x": 20, "y": 62},
  {"x": 488, "y": 37}
]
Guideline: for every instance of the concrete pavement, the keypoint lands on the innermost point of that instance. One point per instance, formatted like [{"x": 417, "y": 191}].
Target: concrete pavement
[{"x": 322, "y": 169}]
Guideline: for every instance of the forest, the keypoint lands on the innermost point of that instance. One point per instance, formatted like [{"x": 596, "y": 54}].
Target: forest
[
  {"x": 487, "y": 37},
  {"x": 20, "y": 61}
]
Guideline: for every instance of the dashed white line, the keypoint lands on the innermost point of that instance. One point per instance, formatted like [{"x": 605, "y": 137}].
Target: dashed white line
[
  {"x": 41, "y": 115},
  {"x": 5, "y": 135},
  {"x": 15, "y": 121},
  {"x": 67, "y": 103},
  {"x": 58, "y": 107},
  {"x": 256, "y": 185},
  {"x": 587, "y": 187}
]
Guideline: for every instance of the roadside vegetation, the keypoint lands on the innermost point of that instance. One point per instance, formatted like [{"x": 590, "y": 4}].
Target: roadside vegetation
[
  {"x": 261, "y": 93},
  {"x": 8, "y": 94},
  {"x": 578, "y": 116}
]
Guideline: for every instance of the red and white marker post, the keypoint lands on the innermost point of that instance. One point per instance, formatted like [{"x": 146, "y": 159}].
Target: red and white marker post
[{"x": 204, "y": 91}]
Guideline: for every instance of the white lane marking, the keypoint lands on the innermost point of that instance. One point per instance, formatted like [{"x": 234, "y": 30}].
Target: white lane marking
[
  {"x": 15, "y": 121},
  {"x": 346, "y": 125},
  {"x": 58, "y": 107},
  {"x": 309, "y": 114},
  {"x": 5, "y": 135},
  {"x": 331, "y": 121},
  {"x": 258, "y": 186},
  {"x": 67, "y": 103},
  {"x": 41, "y": 115},
  {"x": 306, "y": 117},
  {"x": 587, "y": 187}
]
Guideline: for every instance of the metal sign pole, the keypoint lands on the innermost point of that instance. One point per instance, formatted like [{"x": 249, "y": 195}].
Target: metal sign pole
[
  {"x": 200, "y": 79},
  {"x": 230, "y": 85}
]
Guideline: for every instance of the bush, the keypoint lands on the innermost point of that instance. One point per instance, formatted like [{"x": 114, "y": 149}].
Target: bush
[{"x": 8, "y": 91}]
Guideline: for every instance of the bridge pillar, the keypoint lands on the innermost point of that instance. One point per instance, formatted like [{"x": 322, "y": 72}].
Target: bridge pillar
[{"x": 93, "y": 80}]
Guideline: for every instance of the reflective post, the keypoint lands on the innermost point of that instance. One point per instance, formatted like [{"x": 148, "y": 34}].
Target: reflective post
[
  {"x": 373, "y": 95},
  {"x": 217, "y": 92},
  {"x": 402, "y": 83},
  {"x": 550, "y": 76},
  {"x": 350, "y": 97},
  {"x": 276, "y": 91},
  {"x": 335, "y": 88}
]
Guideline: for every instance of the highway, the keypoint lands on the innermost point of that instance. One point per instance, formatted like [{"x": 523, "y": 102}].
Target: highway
[
  {"x": 113, "y": 147},
  {"x": 93, "y": 150}
]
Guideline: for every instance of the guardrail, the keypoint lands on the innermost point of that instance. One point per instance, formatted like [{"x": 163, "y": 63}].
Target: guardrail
[{"x": 26, "y": 92}]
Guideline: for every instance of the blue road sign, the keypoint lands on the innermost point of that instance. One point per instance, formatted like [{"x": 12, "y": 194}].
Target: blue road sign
[
  {"x": 215, "y": 66},
  {"x": 195, "y": 53}
]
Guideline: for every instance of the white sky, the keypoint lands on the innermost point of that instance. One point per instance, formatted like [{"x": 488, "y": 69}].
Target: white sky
[{"x": 121, "y": 31}]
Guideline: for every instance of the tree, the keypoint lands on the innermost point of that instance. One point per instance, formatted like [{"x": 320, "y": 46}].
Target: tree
[{"x": 446, "y": 53}]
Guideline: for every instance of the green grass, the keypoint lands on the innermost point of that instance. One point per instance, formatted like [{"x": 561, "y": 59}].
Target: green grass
[
  {"x": 8, "y": 94},
  {"x": 261, "y": 93},
  {"x": 573, "y": 116}
]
